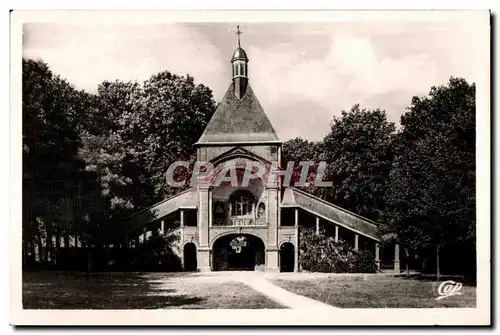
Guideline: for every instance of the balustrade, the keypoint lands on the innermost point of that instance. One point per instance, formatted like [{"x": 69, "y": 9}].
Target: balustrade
[{"x": 239, "y": 221}]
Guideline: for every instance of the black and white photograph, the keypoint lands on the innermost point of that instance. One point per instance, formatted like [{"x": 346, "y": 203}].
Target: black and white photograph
[{"x": 320, "y": 164}]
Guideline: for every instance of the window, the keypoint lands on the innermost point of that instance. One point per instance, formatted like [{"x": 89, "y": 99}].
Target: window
[
  {"x": 241, "y": 203},
  {"x": 241, "y": 69},
  {"x": 219, "y": 209},
  {"x": 219, "y": 213},
  {"x": 261, "y": 212}
]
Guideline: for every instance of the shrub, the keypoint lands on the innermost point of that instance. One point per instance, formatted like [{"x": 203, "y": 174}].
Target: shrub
[
  {"x": 365, "y": 262},
  {"x": 320, "y": 253},
  {"x": 155, "y": 254}
]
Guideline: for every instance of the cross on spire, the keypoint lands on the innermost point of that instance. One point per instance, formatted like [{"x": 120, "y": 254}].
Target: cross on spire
[{"x": 238, "y": 32}]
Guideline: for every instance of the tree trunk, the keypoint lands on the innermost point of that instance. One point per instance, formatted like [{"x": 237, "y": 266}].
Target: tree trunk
[
  {"x": 57, "y": 246},
  {"x": 438, "y": 274},
  {"x": 48, "y": 245},
  {"x": 124, "y": 251},
  {"x": 25, "y": 249},
  {"x": 89, "y": 262},
  {"x": 88, "y": 249},
  {"x": 40, "y": 249},
  {"x": 407, "y": 256},
  {"x": 33, "y": 251},
  {"x": 66, "y": 240}
]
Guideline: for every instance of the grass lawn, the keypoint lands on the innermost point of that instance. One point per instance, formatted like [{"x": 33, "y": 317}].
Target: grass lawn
[
  {"x": 56, "y": 290},
  {"x": 377, "y": 291}
]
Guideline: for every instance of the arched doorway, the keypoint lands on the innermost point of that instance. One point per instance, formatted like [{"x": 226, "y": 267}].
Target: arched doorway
[
  {"x": 287, "y": 257},
  {"x": 190, "y": 262},
  {"x": 238, "y": 252}
]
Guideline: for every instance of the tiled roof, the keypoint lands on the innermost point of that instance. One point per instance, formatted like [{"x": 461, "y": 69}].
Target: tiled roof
[
  {"x": 186, "y": 199},
  {"x": 239, "y": 120},
  {"x": 297, "y": 198}
]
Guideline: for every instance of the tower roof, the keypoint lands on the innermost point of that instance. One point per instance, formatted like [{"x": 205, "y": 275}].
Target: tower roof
[
  {"x": 239, "y": 54},
  {"x": 239, "y": 121}
]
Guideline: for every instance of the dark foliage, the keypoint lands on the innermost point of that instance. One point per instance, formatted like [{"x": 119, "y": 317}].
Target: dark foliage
[
  {"x": 365, "y": 262},
  {"x": 417, "y": 182},
  {"x": 91, "y": 160},
  {"x": 320, "y": 253}
]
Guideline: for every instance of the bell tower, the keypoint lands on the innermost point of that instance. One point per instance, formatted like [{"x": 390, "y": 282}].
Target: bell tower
[
  {"x": 238, "y": 132},
  {"x": 239, "y": 62}
]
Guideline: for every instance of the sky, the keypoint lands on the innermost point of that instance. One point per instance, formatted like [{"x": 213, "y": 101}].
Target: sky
[{"x": 303, "y": 73}]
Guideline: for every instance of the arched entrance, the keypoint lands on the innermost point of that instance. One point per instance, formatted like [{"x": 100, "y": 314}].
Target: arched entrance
[
  {"x": 238, "y": 252},
  {"x": 190, "y": 262},
  {"x": 287, "y": 257}
]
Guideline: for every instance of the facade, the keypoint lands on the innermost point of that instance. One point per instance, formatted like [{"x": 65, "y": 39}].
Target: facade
[{"x": 227, "y": 227}]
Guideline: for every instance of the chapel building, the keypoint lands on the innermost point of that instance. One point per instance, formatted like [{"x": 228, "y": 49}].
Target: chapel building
[{"x": 256, "y": 227}]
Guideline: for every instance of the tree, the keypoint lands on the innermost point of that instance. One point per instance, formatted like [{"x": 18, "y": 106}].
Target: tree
[
  {"x": 90, "y": 160},
  {"x": 52, "y": 113},
  {"x": 431, "y": 194},
  {"x": 359, "y": 152},
  {"x": 172, "y": 115},
  {"x": 137, "y": 132},
  {"x": 150, "y": 127},
  {"x": 300, "y": 150}
]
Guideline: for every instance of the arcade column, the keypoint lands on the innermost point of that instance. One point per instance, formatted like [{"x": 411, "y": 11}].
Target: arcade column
[
  {"x": 272, "y": 252},
  {"x": 203, "y": 258}
]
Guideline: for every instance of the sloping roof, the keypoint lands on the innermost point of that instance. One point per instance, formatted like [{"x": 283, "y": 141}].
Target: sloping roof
[
  {"x": 186, "y": 199},
  {"x": 297, "y": 198},
  {"x": 239, "y": 54},
  {"x": 239, "y": 121}
]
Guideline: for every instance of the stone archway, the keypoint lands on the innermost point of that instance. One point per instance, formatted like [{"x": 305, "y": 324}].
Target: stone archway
[
  {"x": 190, "y": 261},
  {"x": 287, "y": 257},
  {"x": 238, "y": 252}
]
